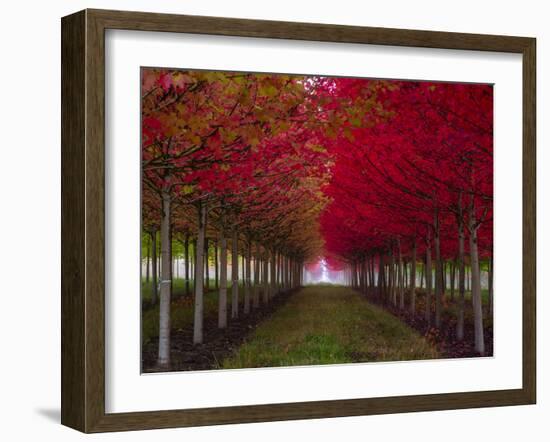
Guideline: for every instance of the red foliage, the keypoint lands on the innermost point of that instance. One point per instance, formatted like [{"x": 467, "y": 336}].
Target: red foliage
[
  {"x": 429, "y": 154},
  {"x": 359, "y": 165}
]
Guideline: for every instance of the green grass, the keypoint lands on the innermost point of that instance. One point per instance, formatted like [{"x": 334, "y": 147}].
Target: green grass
[
  {"x": 181, "y": 310},
  {"x": 329, "y": 325}
]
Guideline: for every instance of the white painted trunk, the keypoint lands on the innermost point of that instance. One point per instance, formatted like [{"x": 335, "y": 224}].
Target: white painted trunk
[
  {"x": 186, "y": 251},
  {"x": 272, "y": 273},
  {"x": 393, "y": 291},
  {"x": 381, "y": 277},
  {"x": 265, "y": 277},
  {"x": 206, "y": 266},
  {"x": 277, "y": 272},
  {"x": 286, "y": 278},
  {"x": 490, "y": 282},
  {"x": 148, "y": 258},
  {"x": 165, "y": 283},
  {"x": 413, "y": 279},
  {"x": 256, "y": 292},
  {"x": 401, "y": 277},
  {"x": 199, "y": 276},
  {"x": 247, "y": 281},
  {"x": 476, "y": 287},
  {"x": 234, "y": 273},
  {"x": 154, "y": 268},
  {"x": 216, "y": 266},
  {"x": 222, "y": 298}
]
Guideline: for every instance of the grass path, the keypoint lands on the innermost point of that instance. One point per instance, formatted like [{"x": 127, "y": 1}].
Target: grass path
[{"x": 329, "y": 325}]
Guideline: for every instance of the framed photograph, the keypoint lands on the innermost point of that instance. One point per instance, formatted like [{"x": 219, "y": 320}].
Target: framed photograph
[{"x": 268, "y": 220}]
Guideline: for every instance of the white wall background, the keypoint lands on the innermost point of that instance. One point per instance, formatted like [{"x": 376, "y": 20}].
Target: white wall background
[{"x": 30, "y": 216}]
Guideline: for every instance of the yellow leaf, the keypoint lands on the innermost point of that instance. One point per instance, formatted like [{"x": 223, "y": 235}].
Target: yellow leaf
[{"x": 187, "y": 189}]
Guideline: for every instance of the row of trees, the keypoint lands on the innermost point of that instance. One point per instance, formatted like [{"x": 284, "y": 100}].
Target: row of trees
[
  {"x": 268, "y": 281},
  {"x": 414, "y": 187},
  {"x": 184, "y": 264},
  {"x": 234, "y": 158}
]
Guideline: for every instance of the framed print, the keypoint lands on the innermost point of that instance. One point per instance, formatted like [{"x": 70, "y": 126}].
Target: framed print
[{"x": 268, "y": 221}]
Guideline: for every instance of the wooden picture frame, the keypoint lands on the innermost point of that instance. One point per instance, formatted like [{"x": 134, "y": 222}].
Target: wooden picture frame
[{"x": 83, "y": 217}]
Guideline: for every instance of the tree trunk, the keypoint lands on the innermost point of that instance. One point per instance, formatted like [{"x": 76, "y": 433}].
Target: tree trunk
[
  {"x": 186, "y": 251},
  {"x": 206, "y": 266},
  {"x": 216, "y": 266},
  {"x": 355, "y": 275},
  {"x": 461, "y": 281},
  {"x": 443, "y": 277},
  {"x": 234, "y": 273},
  {"x": 476, "y": 284},
  {"x": 422, "y": 271},
  {"x": 438, "y": 281},
  {"x": 358, "y": 275},
  {"x": 289, "y": 269},
  {"x": 413, "y": 279},
  {"x": 247, "y": 278},
  {"x": 272, "y": 288},
  {"x": 148, "y": 258},
  {"x": 281, "y": 272},
  {"x": 277, "y": 272},
  {"x": 265, "y": 276},
  {"x": 381, "y": 278},
  {"x": 199, "y": 289},
  {"x": 428, "y": 312},
  {"x": 222, "y": 298},
  {"x": 171, "y": 266},
  {"x": 400, "y": 276},
  {"x": 165, "y": 283},
  {"x": 158, "y": 257},
  {"x": 154, "y": 268},
  {"x": 365, "y": 268},
  {"x": 194, "y": 246},
  {"x": 490, "y": 282},
  {"x": 256, "y": 298},
  {"x": 365, "y": 276},
  {"x": 452, "y": 281},
  {"x": 360, "y": 269},
  {"x": 372, "y": 276},
  {"x": 287, "y": 273},
  {"x": 406, "y": 273},
  {"x": 393, "y": 292}
]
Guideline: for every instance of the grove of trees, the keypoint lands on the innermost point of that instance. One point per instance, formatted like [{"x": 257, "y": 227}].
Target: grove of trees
[
  {"x": 265, "y": 173},
  {"x": 417, "y": 187}
]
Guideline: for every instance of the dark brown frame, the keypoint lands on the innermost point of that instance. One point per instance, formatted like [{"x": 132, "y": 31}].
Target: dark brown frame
[{"x": 83, "y": 215}]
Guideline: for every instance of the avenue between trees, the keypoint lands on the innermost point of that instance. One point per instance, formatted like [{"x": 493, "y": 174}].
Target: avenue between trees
[{"x": 251, "y": 181}]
